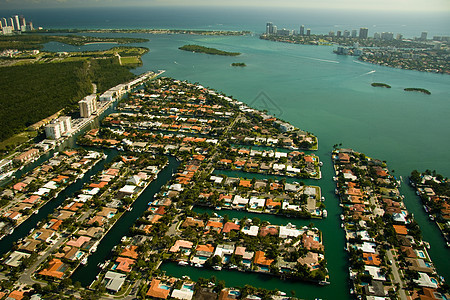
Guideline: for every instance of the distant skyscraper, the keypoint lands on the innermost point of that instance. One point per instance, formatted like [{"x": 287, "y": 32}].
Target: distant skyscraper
[
  {"x": 275, "y": 29},
  {"x": 331, "y": 33},
  {"x": 284, "y": 32},
  {"x": 399, "y": 36},
  {"x": 346, "y": 33},
  {"x": 376, "y": 36},
  {"x": 17, "y": 22},
  {"x": 387, "y": 36},
  {"x": 308, "y": 32},
  {"x": 354, "y": 32},
  {"x": 302, "y": 30},
  {"x": 339, "y": 33},
  {"x": 363, "y": 33},
  {"x": 11, "y": 23},
  {"x": 4, "y": 22},
  {"x": 423, "y": 36},
  {"x": 269, "y": 28}
]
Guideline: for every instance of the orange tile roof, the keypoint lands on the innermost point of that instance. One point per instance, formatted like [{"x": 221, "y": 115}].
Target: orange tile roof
[
  {"x": 130, "y": 251},
  {"x": 400, "y": 229},
  {"x": 53, "y": 269},
  {"x": 125, "y": 264},
  {"x": 207, "y": 248},
  {"x": 245, "y": 183},
  {"x": 156, "y": 291},
  {"x": 270, "y": 202},
  {"x": 18, "y": 295},
  {"x": 60, "y": 178},
  {"x": 371, "y": 259},
  {"x": 214, "y": 224},
  {"x": 230, "y": 226},
  {"x": 260, "y": 259},
  {"x": 98, "y": 185}
]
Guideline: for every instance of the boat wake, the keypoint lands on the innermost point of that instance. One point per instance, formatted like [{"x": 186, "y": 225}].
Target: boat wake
[
  {"x": 370, "y": 72},
  {"x": 319, "y": 59}
]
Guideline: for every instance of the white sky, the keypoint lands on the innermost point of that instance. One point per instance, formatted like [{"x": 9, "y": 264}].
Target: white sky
[{"x": 374, "y": 5}]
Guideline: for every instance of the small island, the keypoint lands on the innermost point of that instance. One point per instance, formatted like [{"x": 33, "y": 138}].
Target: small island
[
  {"x": 213, "y": 51},
  {"x": 379, "y": 84},
  {"x": 418, "y": 90},
  {"x": 238, "y": 65}
]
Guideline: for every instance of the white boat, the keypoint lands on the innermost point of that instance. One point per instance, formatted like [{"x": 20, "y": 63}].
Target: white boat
[
  {"x": 324, "y": 213},
  {"x": 84, "y": 261},
  {"x": 217, "y": 268},
  {"x": 320, "y": 163},
  {"x": 322, "y": 198},
  {"x": 183, "y": 263},
  {"x": 198, "y": 265}
]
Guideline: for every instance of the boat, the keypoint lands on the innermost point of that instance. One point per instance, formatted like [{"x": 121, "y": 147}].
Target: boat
[
  {"x": 218, "y": 208},
  {"x": 334, "y": 178},
  {"x": 342, "y": 217},
  {"x": 198, "y": 265},
  {"x": 322, "y": 198},
  {"x": 320, "y": 163},
  {"x": 183, "y": 263},
  {"x": 425, "y": 208},
  {"x": 324, "y": 213},
  {"x": 336, "y": 191},
  {"x": 36, "y": 211},
  {"x": 217, "y": 268},
  {"x": 431, "y": 217},
  {"x": 84, "y": 261},
  {"x": 323, "y": 282}
]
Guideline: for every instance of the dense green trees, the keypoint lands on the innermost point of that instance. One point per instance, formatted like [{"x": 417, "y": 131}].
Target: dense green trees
[
  {"x": 213, "y": 51},
  {"x": 31, "y": 93}
]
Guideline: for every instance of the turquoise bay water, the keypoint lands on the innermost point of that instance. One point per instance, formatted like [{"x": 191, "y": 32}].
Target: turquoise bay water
[{"x": 330, "y": 96}]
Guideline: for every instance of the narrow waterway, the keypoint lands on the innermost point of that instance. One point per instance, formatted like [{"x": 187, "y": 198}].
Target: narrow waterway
[
  {"x": 333, "y": 240},
  {"x": 23, "y": 229},
  {"x": 86, "y": 274}
]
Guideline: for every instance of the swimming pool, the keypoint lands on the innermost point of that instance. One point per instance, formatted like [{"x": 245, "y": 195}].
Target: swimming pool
[
  {"x": 421, "y": 254},
  {"x": 164, "y": 287},
  {"x": 188, "y": 287}
]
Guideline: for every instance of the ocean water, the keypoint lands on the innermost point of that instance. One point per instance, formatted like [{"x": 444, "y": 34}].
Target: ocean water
[
  {"x": 313, "y": 89},
  {"x": 245, "y": 18}
]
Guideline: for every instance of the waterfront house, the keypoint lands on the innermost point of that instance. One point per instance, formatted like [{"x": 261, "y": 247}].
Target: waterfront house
[
  {"x": 124, "y": 264},
  {"x": 114, "y": 281},
  {"x": 270, "y": 229},
  {"x": 56, "y": 269},
  {"x": 261, "y": 260},
  {"x": 203, "y": 252},
  {"x": 130, "y": 251},
  {"x": 182, "y": 245},
  {"x": 158, "y": 290},
  {"x": 311, "y": 260},
  {"x": 289, "y": 231},
  {"x": 375, "y": 272}
]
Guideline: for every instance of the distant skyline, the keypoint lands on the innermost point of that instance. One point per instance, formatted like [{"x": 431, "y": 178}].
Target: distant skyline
[{"x": 379, "y": 5}]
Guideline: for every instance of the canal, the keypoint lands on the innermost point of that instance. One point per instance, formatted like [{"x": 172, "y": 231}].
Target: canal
[
  {"x": 86, "y": 274},
  {"x": 332, "y": 234},
  {"x": 23, "y": 229}
]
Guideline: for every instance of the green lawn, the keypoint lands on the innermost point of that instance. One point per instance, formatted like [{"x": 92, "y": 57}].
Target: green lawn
[{"x": 130, "y": 60}]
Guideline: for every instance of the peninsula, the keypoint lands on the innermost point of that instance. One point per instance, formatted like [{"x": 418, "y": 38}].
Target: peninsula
[
  {"x": 202, "y": 49},
  {"x": 384, "y": 242}
]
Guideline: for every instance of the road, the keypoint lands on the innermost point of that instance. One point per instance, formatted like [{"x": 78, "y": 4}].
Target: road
[
  {"x": 397, "y": 277},
  {"x": 26, "y": 276}
]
